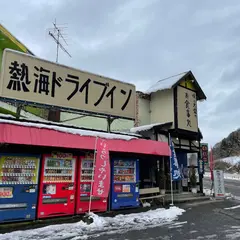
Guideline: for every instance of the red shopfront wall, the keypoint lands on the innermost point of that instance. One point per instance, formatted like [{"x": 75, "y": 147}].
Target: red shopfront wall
[
  {"x": 16, "y": 133},
  {"x": 84, "y": 181},
  {"x": 57, "y": 187}
]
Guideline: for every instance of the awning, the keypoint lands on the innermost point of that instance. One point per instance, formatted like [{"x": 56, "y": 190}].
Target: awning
[{"x": 35, "y": 136}]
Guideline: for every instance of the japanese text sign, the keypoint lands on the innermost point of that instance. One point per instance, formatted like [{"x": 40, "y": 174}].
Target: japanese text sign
[
  {"x": 33, "y": 80},
  {"x": 175, "y": 170},
  {"x": 187, "y": 109},
  {"x": 204, "y": 152},
  {"x": 219, "y": 188},
  {"x": 101, "y": 183}
]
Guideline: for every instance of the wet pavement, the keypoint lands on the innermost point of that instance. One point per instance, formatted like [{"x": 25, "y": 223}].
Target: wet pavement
[{"x": 201, "y": 221}]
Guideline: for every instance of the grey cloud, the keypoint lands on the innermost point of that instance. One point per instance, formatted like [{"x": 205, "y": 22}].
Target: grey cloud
[{"x": 230, "y": 104}]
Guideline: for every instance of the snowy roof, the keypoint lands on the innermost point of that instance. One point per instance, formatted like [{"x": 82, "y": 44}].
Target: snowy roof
[
  {"x": 75, "y": 131},
  {"x": 166, "y": 83},
  {"x": 147, "y": 127},
  {"x": 127, "y": 133},
  {"x": 170, "y": 82}
]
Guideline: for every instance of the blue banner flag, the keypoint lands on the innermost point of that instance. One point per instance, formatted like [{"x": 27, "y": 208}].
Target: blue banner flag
[{"x": 175, "y": 171}]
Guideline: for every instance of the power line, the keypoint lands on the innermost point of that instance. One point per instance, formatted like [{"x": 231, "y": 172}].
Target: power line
[{"x": 57, "y": 34}]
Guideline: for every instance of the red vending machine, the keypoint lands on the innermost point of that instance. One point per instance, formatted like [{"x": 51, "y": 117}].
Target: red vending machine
[
  {"x": 57, "y": 185},
  {"x": 84, "y": 181}
]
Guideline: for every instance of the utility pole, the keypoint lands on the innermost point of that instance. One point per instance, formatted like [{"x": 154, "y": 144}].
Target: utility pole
[
  {"x": 58, "y": 36},
  {"x": 56, "y": 33}
]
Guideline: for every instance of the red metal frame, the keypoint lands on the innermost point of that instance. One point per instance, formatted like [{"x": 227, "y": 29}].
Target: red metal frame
[
  {"x": 82, "y": 198},
  {"x": 57, "y": 209}
]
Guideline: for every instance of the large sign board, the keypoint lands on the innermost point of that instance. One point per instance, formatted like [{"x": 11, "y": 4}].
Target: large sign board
[
  {"x": 29, "y": 79},
  {"x": 187, "y": 109},
  {"x": 219, "y": 188}
]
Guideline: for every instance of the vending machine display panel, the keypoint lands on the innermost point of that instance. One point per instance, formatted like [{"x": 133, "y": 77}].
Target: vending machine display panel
[
  {"x": 18, "y": 187},
  {"x": 125, "y": 177}
]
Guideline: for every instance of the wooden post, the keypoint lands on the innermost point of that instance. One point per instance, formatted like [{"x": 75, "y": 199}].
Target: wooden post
[{"x": 18, "y": 112}]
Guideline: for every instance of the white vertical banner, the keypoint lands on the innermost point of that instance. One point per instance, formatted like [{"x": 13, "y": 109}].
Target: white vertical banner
[{"x": 219, "y": 188}]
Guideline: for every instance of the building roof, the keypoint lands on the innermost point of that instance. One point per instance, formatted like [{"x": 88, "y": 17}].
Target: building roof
[
  {"x": 171, "y": 82},
  {"x": 9, "y": 41}
]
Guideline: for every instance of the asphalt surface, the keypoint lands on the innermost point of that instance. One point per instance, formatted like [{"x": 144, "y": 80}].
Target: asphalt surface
[
  {"x": 206, "y": 220},
  {"x": 201, "y": 221},
  {"x": 213, "y": 219}
]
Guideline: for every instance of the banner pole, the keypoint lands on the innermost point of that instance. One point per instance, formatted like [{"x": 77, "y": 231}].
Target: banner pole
[
  {"x": 94, "y": 160},
  {"x": 170, "y": 161},
  {"x": 211, "y": 170}
]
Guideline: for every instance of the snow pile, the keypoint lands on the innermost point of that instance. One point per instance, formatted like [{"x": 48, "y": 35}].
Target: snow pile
[
  {"x": 146, "y": 204},
  {"x": 231, "y": 160},
  {"x": 208, "y": 192},
  {"x": 166, "y": 83},
  {"x": 234, "y": 207},
  {"x": 100, "y": 226},
  {"x": 233, "y": 233},
  {"x": 70, "y": 130}
]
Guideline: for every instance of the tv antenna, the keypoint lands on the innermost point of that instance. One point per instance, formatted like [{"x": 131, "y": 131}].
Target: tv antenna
[{"x": 58, "y": 36}]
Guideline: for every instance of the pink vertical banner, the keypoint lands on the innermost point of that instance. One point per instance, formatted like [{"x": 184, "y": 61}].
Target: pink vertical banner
[
  {"x": 101, "y": 185},
  {"x": 211, "y": 164}
]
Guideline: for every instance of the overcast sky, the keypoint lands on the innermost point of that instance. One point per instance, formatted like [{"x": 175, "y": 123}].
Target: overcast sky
[{"x": 142, "y": 41}]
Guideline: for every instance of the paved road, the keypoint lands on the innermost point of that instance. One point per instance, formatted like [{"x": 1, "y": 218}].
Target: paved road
[
  {"x": 231, "y": 186},
  {"x": 203, "y": 221}
]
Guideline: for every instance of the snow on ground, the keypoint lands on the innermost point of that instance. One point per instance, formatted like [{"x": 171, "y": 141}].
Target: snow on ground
[
  {"x": 231, "y": 160},
  {"x": 208, "y": 192},
  {"x": 230, "y": 176},
  {"x": 234, "y": 207},
  {"x": 100, "y": 226},
  {"x": 233, "y": 233}
]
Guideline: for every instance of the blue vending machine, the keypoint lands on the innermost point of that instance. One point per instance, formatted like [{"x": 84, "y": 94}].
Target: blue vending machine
[
  {"x": 18, "y": 187},
  {"x": 124, "y": 183}
]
